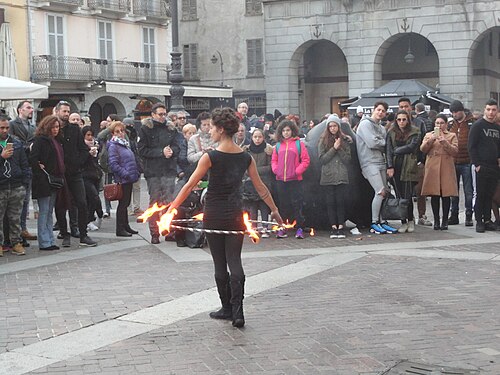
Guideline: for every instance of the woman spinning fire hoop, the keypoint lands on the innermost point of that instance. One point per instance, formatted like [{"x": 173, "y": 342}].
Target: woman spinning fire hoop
[{"x": 223, "y": 210}]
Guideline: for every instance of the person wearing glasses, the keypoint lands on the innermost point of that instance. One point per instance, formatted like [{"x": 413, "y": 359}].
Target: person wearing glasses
[
  {"x": 181, "y": 120},
  {"x": 402, "y": 145},
  {"x": 76, "y": 154},
  {"x": 159, "y": 148}
]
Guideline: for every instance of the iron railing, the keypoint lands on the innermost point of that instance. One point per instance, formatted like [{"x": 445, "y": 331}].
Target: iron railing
[
  {"x": 113, "y": 5},
  {"x": 152, "y": 8},
  {"x": 86, "y": 69}
]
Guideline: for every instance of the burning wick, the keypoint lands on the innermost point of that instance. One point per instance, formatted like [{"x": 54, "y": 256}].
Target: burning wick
[
  {"x": 165, "y": 220},
  {"x": 198, "y": 217},
  {"x": 251, "y": 232},
  {"x": 150, "y": 212},
  {"x": 311, "y": 232}
]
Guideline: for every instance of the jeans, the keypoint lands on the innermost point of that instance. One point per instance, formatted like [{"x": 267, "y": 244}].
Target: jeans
[
  {"x": 463, "y": 170},
  {"x": 26, "y": 206},
  {"x": 45, "y": 221},
  {"x": 335, "y": 203},
  {"x": 378, "y": 182}
]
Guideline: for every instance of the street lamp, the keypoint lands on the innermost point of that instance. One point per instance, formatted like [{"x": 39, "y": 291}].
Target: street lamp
[
  {"x": 176, "y": 77},
  {"x": 214, "y": 60}
]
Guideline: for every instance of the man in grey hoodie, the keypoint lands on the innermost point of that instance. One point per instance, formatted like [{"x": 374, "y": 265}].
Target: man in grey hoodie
[{"x": 370, "y": 144}]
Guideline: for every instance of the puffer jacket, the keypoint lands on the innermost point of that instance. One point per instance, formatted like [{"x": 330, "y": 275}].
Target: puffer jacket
[
  {"x": 287, "y": 164},
  {"x": 14, "y": 171},
  {"x": 122, "y": 164}
]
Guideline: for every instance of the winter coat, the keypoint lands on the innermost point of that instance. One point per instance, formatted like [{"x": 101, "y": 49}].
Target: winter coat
[
  {"x": 153, "y": 138},
  {"x": 14, "y": 171},
  {"x": 91, "y": 170},
  {"x": 122, "y": 164},
  {"x": 440, "y": 178},
  {"x": 409, "y": 151},
  {"x": 287, "y": 164},
  {"x": 76, "y": 152},
  {"x": 42, "y": 152},
  {"x": 25, "y": 135},
  {"x": 263, "y": 164},
  {"x": 461, "y": 129},
  {"x": 197, "y": 143},
  {"x": 334, "y": 163}
]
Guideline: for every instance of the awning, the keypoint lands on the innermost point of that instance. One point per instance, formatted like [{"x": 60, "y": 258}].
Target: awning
[
  {"x": 164, "y": 90},
  {"x": 439, "y": 98},
  {"x": 368, "y": 102},
  {"x": 11, "y": 88}
]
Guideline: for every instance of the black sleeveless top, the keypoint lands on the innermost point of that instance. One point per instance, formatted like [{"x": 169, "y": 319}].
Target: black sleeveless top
[{"x": 223, "y": 203}]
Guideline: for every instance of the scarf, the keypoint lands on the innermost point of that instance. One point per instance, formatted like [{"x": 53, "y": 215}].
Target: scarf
[
  {"x": 121, "y": 141},
  {"x": 257, "y": 149},
  {"x": 89, "y": 143}
]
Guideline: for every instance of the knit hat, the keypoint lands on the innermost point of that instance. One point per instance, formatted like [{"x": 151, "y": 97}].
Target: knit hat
[
  {"x": 268, "y": 117},
  {"x": 360, "y": 109},
  {"x": 333, "y": 118},
  {"x": 456, "y": 106}
]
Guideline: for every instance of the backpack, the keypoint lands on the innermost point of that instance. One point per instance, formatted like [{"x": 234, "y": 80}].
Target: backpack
[{"x": 297, "y": 144}]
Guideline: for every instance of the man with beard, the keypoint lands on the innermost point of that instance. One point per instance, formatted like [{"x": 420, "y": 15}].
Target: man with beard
[{"x": 76, "y": 154}]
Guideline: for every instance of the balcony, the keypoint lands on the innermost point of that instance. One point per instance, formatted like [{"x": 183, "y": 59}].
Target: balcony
[
  {"x": 155, "y": 11},
  {"x": 60, "y": 5},
  {"x": 85, "y": 69},
  {"x": 109, "y": 8}
]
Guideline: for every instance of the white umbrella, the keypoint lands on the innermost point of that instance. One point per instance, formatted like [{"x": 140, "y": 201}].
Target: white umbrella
[{"x": 8, "y": 64}]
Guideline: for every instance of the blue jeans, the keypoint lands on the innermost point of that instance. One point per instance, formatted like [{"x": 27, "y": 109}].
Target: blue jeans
[
  {"x": 45, "y": 221},
  {"x": 463, "y": 170}
]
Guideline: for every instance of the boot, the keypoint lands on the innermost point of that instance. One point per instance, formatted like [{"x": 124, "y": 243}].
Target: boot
[
  {"x": 444, "y": 224},
  {"x": 130, "y": 230},
  {"x": 237, "y": 293},
  {"x": 468, "y": 220},
  {"x": 453, "y": 220},
  {"x": 436, "y": 223},
  {"x": 121, "y": 232},
  {"x": 224, "y": 290}
]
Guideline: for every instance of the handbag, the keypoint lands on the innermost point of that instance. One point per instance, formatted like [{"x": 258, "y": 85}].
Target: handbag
[
  {"x": 113, "y": 192},
  {"x": 395, "y": 208},
  {"x": 55, "y": 182}
]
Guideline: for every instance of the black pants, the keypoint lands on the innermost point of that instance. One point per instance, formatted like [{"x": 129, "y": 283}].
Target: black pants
[
  {"x": 121, "y": 210},
  {"x": 226, "y": 252},
  {"x": 291, "y": 199},
  {"x": 77, "y": 190},
  {"x": 335, "y": 203},
  {"x": 94, "y": 204},
  {"x": 486, "y": 184}
]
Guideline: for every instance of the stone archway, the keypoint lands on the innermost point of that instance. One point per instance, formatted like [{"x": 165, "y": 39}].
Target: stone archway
[
  {"x": 323, "y": 80},
  {"x": 484, "y": 67},
  {"x": 407, "y": 56},
  {"x": 104, "y": 106}
]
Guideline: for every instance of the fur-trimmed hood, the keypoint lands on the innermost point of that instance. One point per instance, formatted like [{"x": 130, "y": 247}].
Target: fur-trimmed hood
[{"x": 149, "y": 123}]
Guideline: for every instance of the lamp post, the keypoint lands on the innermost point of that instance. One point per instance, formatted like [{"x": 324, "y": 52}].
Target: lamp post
[
  {"x": 176, "y": 77},
  {"x": 214, "y": 60}
]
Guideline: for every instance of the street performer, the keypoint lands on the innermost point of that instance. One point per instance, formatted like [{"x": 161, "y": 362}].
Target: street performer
[{"x": 223, "y": 209}]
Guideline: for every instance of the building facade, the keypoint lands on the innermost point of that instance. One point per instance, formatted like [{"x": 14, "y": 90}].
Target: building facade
[{"x": 306, "y": 56}]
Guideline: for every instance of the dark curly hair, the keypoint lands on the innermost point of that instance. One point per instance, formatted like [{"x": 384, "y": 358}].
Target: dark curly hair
[
  {"x": 45, "y": 126},
  {"x": 286, "y": 123},
  {"x": 225, "y": 118}
]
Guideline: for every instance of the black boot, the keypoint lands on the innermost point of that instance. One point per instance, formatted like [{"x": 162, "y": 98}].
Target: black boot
[
  {"x": 224, "y": 290},
  {"x": 436, "y": 223},
  {"x": 453, "y": 220},
  {"x": 444, "y": 224},
  {"x": 121, "y": 232},
  {"x": 130, "y": 230},
  {"x": 237, "y": 293},
  {"x": 468, "y": 220}
]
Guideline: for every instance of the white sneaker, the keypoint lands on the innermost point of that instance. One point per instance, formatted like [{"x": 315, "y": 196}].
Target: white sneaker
[
  {"x": 92, "y": 227},
  {"x": 411, "y": 226},
  {"x": 355, "y": 231},
  {"x": 98, "y": 222},
  {"x": 403, "y": 228},
  {"x": 264, "y": 233}
]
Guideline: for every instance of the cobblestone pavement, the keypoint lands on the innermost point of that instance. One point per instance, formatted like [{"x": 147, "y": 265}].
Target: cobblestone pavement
[{"x": 313, "y": 306}]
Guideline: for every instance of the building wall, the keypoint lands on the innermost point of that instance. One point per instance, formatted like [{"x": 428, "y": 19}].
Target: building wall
[{"x": 16, "y": 15}]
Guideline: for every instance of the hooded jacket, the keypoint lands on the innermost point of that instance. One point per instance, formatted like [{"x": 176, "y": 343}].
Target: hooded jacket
[
  {"x": 287, "y": 164},
  {"x": 14, "y": 171},
  {"x": 370, "y": 144}
]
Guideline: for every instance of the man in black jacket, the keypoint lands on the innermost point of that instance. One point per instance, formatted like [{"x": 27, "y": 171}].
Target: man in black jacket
[
  {"x": 158, "y": 147},
  {"x": 484, "y": 152},
  {"x": 24, "y": 130},
  {"x": 76, "y": 154},
  {"x": 14, "y": 177}
]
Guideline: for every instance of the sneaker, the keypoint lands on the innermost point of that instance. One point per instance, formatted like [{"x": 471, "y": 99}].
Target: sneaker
[
  {"x": 106, "y": 215},
  {"x": 411, "y": 226},
  {"x": 281, "y": 234},
  {"x": 340, "y": 233},
  {"x": 377, "y": 229},
  {"x": 388, "y": 228},
  {"x": 87, "y": 241},
  {"x": 155, "y": 240},
  {"x": 423, "y": 221},
  {"x": 98, "y": 222},
  {"x": 490, "y": 226},
  {"x": 264, "y": 233},
  {"x": 18, "y": 249},
  {"x": 92, "y": 227},
  {"x": 66, "y": 242},
  {"x": 403, "y": 228},
  {"x": 333, "y": 233},
  {"x": 299, "y": 234},
  {"x": 75, "y": 232},
  {"x": 49, "y": 248},
  {"x": 355, "y": 231}
]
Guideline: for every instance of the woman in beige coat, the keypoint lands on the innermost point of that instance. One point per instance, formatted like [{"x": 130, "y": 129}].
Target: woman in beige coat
[{"x": 440, "y": 180}]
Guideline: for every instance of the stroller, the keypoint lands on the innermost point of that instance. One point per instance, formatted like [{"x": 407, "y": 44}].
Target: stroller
[{"x": 192, "y": 206}]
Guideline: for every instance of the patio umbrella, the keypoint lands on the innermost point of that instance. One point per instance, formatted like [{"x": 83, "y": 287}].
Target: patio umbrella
[{"x": 8, "y": 64}]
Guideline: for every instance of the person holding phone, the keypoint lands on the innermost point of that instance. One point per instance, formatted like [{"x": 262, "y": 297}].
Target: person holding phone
[{"x": 440, "y": 180}]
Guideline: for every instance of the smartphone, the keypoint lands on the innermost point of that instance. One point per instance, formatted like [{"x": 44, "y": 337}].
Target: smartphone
[{"x": 437, "y": 131}]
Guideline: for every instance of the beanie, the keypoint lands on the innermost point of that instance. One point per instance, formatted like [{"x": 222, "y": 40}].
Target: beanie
[
  {"x": 360, "y": 109},
  {"x": 456, "y": 106},
  {"x": 333, "y": 118}
]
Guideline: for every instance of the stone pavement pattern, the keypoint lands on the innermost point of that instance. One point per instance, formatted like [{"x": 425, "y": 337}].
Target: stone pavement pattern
[{"x": 316, "y": 306}]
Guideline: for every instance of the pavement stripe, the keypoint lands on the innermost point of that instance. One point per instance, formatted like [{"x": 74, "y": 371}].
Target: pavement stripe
[{"x": 63, "y": 347}]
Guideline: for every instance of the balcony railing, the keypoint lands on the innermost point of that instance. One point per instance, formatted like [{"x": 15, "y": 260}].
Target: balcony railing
[
  {"x": 110, "y": 5},
  {"x": 152, "y": 8},
  {"x": 84, "y": 69}
]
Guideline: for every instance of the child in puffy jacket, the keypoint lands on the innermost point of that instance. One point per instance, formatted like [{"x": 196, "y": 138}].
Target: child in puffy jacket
[{"x": 289, "y": 161}]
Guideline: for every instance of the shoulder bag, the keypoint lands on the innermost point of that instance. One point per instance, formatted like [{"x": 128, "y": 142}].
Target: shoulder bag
[
  {"x": 394, "y": 208},
  {"x": 113, "y": 192},
  {"x": 55, "y": 182}
]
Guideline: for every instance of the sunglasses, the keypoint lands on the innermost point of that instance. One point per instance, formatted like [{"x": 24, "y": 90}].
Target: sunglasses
[
  {"x": 402, "y": 119},
  {"x": 162, "y": 114},
  {"x": 62, "y": 102}
]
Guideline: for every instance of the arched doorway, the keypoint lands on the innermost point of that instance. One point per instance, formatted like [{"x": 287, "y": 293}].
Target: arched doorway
[
  {"x": 46, "y": 107},
  {"x": 407, "y": 56},
  {"x": 323, "y": 79},
  {"x": 485, "y": 67},
  {"x": 103, "y": 107}
]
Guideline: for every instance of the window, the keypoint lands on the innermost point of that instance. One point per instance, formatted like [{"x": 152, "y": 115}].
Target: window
[
  {"x": 55, "y": 35},
  {"x": 105, "y": 40},
  {"x": 255, "y": 58},
  {"x": 148, "y": 44},
  {"x": 189, "y": 10},
  {"x": 253, "y": 7},
  {"x": 190, "y": 55}
]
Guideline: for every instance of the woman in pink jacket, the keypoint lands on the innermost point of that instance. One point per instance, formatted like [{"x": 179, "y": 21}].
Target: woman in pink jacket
[{"x": 289, "y": 161}]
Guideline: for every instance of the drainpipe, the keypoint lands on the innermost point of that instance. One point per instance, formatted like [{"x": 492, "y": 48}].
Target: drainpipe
[{"x": 30, "y": 43}]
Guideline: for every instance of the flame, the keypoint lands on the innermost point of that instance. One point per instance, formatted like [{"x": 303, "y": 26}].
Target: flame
[
  {"x": 311, "y": 232},
  {"x": 251, "y": 232},
  {"x": 275, "y": 228},
  {"x": 198, "y": 217},
  {"x": 165, "y": 220},
  {"x": 150, "y": 212},
  {"x": 287, "y": 225}
]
